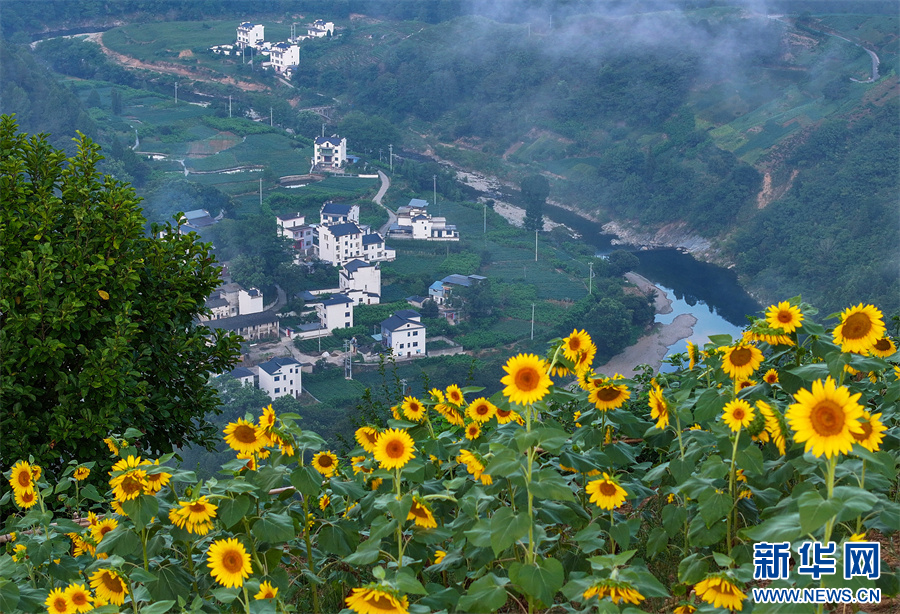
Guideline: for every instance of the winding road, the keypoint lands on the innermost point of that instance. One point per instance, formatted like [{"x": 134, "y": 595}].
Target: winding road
[{"x": 392, "y": 217}]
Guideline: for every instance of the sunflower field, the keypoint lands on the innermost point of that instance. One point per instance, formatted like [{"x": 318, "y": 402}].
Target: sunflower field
[{"x": 760, "y": 463}]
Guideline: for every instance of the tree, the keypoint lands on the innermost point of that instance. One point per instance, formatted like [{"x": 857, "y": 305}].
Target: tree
[
  {"x": 535, "y": 190},
  {"x": 429, "y": 309},
  {"x": 97, "y": 319}
]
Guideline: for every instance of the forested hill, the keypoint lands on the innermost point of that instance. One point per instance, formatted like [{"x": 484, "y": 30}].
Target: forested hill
[{"x": 762, "y": 132}]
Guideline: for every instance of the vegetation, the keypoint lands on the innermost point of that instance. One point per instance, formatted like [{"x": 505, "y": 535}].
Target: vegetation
[
  {"x": 98, "y": 326},
  {"x": 551, "y": 494}
]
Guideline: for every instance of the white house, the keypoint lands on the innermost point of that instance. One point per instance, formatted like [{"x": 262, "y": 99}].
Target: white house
[
  {"x": 231, "y": 300},
  {"x": 244, "y": 376},
  {"x": 330, "y": 152},
  {"x": 334, "y": 213},
  {"x": 294, "y": 227},
  {"x": 440, "y": 291},
  {"x": 374, "y": 249},
  {"x": 404, "y": 334},
  {"x": 280, "y": 377},
  {"x": 336, "y": 312},
  {"x": 340, "y": 243},
  {"x": 250, "y": 34},
  {"x": 414, "y": 222},
  {"x": 361, "y": 281},
  {"x": 283, "y": 56},
  {"x": 320, "y": 29},
  {"x": 254, "y": 326},
  {"x": 250, "y": 301},
  {"x": 287, "y": 222}
]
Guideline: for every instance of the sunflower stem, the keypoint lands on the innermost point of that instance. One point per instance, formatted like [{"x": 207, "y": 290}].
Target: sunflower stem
[
  {"x": 309, "y": 556},
  {"x": 144, "y": 547},
  {"x": 612, "y": 540},
  {"x": 399, "y": 522},
  {"x": 246, "y": 599},
  {"x": 829, "y": 526},
  {"x": 862, "y": 485},
  {"x": 678, "y": 426},
  {"x": 732, "y": 524}
]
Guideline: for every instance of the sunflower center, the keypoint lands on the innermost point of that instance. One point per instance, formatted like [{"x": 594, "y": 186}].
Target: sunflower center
[
  {"x": 785, "y": 316},
  {"x": 24, "y": 479},
  {"x": 481, "y": 410},
  {"x": 867, "y": 431},
  {"x": 79, "y": 599},
  {"x": 883, "y": 344},
  {"x": 197, "y": 508},
  {"x": 325, "y": 461},
  {"x": 856, "y": 326},
  {"x": 383, "y": 603},
  {"x": 608, "y": 393},
  {"x": 503, "y": 413},
  {"x": 232, "y": 562},
  {"x": 738, "y": 414},
  {"x": 395, "y": 449},
  {"x": 741, "y": 357},
  {"x": 607, "y": 489},
  {"x": 131, "y": 485},
  {"x": 419, "y": 511},
  {"x": 245, "y": 434},
  {"x": 112, "y": 583},
  {"x": 527, "y": 379},
  {"x": 415, "y": 408},
  {"x": 29, "y": 496},
  {"x": 60, "y": 604},
  {"x": 105, "y": 529},
  {"x": 574, "y": 344},
  {"x": 827, "y": 418}
]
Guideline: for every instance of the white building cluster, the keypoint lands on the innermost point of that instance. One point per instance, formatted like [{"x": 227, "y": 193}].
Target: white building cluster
[
  {"x": 414, "y": 222},
  {"x": 284, "y": 55}
]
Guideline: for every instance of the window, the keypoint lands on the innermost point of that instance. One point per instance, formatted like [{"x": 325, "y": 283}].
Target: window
[
  {"x": 277, "y": 390},
  {"x": 415, "y": 344},
  {"x": 277, "y": 378},
  {"x": 401, "y": 346},
  {"x": 346, "y": 314},
  {"x": 416, "y": 334}
]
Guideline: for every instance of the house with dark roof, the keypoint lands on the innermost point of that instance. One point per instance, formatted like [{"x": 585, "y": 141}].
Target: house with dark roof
[
  {"x": 440, "y": 291},
  {"x": 280, "y": 377},
  {"x": 336, "y": 312},
  {"x": 244, "y": 375},
  {"x": 361, "y": 281},
  {"x": 404, "y": 334},
  {"x": 329, "y": 151},
  {"x": 337, "y": 213},
  {"x": 414, "y": 222},
  {"x": 374, "y": 249},
  {"x": 250, "y": 34},
  {"x": 262, "y": 325},
  {"x": 340, "y": 243}
]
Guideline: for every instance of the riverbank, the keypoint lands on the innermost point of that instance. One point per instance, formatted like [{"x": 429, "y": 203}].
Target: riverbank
[{"x": 651, "y": 348}]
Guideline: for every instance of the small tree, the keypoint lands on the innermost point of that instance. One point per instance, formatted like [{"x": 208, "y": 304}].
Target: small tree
[
  {"x": 535, "y": 190},
  {"x": 97, "y": 320}
]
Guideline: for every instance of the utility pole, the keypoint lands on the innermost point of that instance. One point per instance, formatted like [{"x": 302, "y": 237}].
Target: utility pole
[
  {"x": 270, "y": 116},
  {"x": 535, "y": 245},
  {"x": 229, "y": 106},
  {"x": 391, "y": 149},
  {"x": 591, "y": 280},
  {"x": 260, "y": 191},
  {"x": 532, "y": 321},
  {"x": 380, "y": 151},
  {"x": 176, "y": 93},
  {"x": 323, "y": 130},
  {"x": 434, "y": 180},
  {"x": 485, "y": 217}
]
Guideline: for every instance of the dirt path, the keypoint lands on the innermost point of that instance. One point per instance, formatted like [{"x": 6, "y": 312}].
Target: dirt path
[{"x": 199, "y": 74}]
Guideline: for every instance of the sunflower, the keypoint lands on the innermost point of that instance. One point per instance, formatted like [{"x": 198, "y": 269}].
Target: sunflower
[
  {"x": 194, "y": 516},
  {"x": 607, "y": 395},
  {"x": 394, "y": 448},
  {"x": 450, "y": 413},
  {"x": 481, "y": 410},
  {"x": 738, "y": 414},
  {"x": 771, "y": 377},
  {"x": 266, "y": 591},
  {"x": 784, "y": 316},
  {"x": 156, "y": 481},
  {"x": 20, "y": 479},
  {"x": 527, "y": 380},
  {"x": 366, "y": 437},
  {"x": 473, "y": 431},
  {"x": 577, "y": 342},
  {"x": 884, "y": 347},
  {"x": 375, "y": 484},
  {"x": 58, "y": 602},
  {"x": 413, "y": 409},
  {"x": 19, "y": 553},
  {"x": 371, "y": 600},
  {"x": 80, "y": 597},
  {"x": 325, "y": 463},
  {"x": 111, "y": 444},
  {"x": 721, "y": 592},
  {"x": 826, "y": 418},
  {"x": 25, "y": 499},
  {"x": 606, "y": 492},
  {"x": 505, "y": 416},
  {"x": 109, "y": 586},
  {"x": 81, "y": 474},
  {"x": 439, "y": 556},
  {"x": 860, "y": 328},
  {"x": 245, "y": 437},
  {"x": 421, "y": 513},
  {"x": 617, "y": 591},
  {"x": 128, "y": 484},
  {"x": 324, "y": 500},
  {"x": 693, "y": 353},
  {"x": 474, "y": 466},
  {"x": 685, "y": 608},
  {"x": 358, "y": 464},
  {"x": 741, "y": 361},
  {"x": 103, "y": 527},
  {"x": 659, "y": 407},
  {"x": 455, "y": 396},
  {"x": 872, "y": 432},
  {"x": 229, "y": 562},
  {"x": 774, "y": 425},
  {"x": 267, "y": 419}
]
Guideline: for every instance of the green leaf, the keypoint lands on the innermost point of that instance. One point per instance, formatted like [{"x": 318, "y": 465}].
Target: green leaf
[
  {"x": 306, "y": 480},
  {"x": 504, "y": 464},
  {"x": 507, "y": 528},
  {"x": 486, "y": 594},
  {"x": 714, "y": 506},
  {"x": 480, "y": 534},
  {"x": 590, "y": 538},
  {"x": 541, "y": 580},
  {"x": 231, "y": 511},
  {"x": 750, "y": 459},
  {"x": 407, "y": 583},
  {"x": 621, "y": 532},
  {"x": 701, "y": 535},
  {"x": 141, "y": 510},
  {"x": 548, "y": 484},
  {"x": 673, "y": 517},
  {"x": 122, "y": 541},
  {"x": 225, "y": 595},
  {"x": 366, "y": 554},
  {"x": 139, "y": 574},
  {"x": 335, "y": 540},
  {"x": 657, "y": 541},
  {"x": 274, "y": 528},
  {"x": 709, "y": 405},
  {"x": 853, "y": 501},
  {"x": 723, "y": 560},
  {"x": 681, "y": 470},
  {"x": 351, "y": 490},
  {"x": 132, "y": 434},
  {"x": 783, "y": 527},
  {"x": 692, "y": 569},
  {"x": 171, "y": 582},
  {"x": 720, "y": 340},
  {"x": 9, "y": 596},
  {"x": 811, "y": 372},
  {"x": 815, "y": 511}
]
